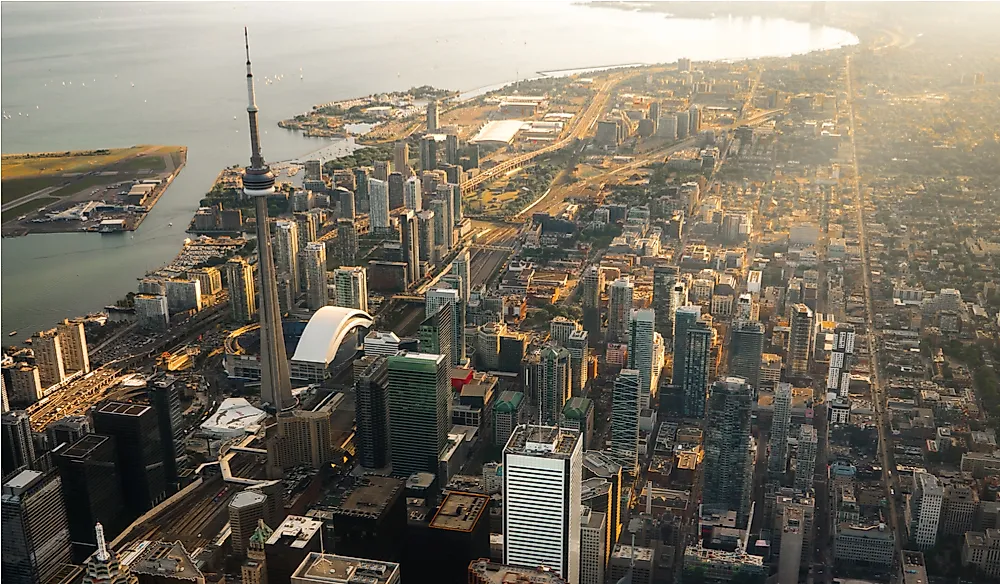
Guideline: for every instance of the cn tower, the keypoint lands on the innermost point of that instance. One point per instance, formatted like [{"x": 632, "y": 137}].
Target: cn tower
[{"x": 258, "y": 183}]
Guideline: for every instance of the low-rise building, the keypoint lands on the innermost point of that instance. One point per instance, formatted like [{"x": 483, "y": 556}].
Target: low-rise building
[
  {"x": 982, "y": 549},
  {"x": 872, "y": 545}
]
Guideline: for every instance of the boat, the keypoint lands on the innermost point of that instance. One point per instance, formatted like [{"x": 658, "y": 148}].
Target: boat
[
  {"x": 12, "y": 334},
  {"x": 170, "y": 224}
]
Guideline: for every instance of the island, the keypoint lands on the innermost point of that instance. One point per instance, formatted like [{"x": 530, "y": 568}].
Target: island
[{"x": 106, "y": 190}]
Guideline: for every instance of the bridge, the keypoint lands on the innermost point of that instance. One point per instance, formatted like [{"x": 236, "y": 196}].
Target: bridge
[{"x": 491, "y": 247}]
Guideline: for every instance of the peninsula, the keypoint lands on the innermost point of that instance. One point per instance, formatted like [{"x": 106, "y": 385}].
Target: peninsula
[{"x": 104, "y": 190}]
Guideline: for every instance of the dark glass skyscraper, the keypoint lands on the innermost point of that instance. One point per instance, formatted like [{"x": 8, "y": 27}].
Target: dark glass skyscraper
[
  {"x": 746, "y": 347},
  {"x": 372, "y": 389},
  {"x": 437, "y": 333},
  {"x": 728, "y": 455},
  {"x": 664, "y": 278},
  {"x": 140, "y": 452},
  {"x": 92, "y": 490}
]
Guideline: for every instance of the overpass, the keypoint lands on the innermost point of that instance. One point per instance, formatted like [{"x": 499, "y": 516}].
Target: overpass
[{"x": 361, "y": 225}]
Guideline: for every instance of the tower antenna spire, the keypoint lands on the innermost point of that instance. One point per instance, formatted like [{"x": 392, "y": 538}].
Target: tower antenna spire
[{"x": 246, "y": 39}]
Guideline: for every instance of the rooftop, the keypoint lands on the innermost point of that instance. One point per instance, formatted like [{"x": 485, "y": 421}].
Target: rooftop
[
  {"x": 460, "y": 511},
  {"x": 487, "y": 572},
  {"x": 370, "y": 496},
  {"x": 161, "y": 558},
  {"x": 642, "y": 554},
  {"x": 547, "y": 441},
  {"x": 334, "y": 569},
  {"x": 295, "y": 531},
  {"x": 123, "y": 409},
  {"x": 84, "y": 446}
]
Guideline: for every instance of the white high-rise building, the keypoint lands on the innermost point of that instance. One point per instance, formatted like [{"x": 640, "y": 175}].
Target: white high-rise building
[
  {"x": 593, "y": 546},
  {"x": 73, "y": 342},
  {"x": 313, "y": 262},
  {"x": 779, "y": 428},
  {"x": 543, "y": 471},
  {"x": 378, "y": 205},
  {"x": 925, "y": 509},
  {"x": 641, "y": 352},
  {"x": 838, "y": 379},
  {"x": 625, "y": 402},
  {"x": 351, "y": 287},
  {"x": 620, "y": 294},
  {"x": 805, "y": 457},
  {"x": 460, "y": 266},
  {"x": 411, "y": 194},
  {"x": 560, "y": 328},
  {"x": 286, "y": 254}
]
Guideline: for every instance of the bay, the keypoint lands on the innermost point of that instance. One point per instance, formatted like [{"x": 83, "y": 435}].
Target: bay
[{"x": 174, "y": 73}]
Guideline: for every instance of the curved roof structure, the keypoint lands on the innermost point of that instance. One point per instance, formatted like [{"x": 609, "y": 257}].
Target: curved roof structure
[{"x": 326, "y": 330}]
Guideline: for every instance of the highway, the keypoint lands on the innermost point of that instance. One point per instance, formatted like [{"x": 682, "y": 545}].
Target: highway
[
  {"x": 581, "y": 125},
  {"x": 877, "y": 390}
]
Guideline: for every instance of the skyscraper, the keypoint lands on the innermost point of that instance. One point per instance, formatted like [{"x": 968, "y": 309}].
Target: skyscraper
[
  {"x": 18, "y": 448},
  {"x": 678, "y": 298},
  {"x": 410, "y": 242},
  {"x": 437, "y": 333},
  {"x": 242, "y": 298},
  {"x": 35, "y": 539},
  {"x": 419, "y": 394},
  {"x": 286, "y": 254},
  {"x": 560, "y": 328},
  {"x": 438, "y": 297},
  {"x": 361, "y": 179},
  {"x": 442, "y": 227},
  {"x": 411, "y": 194},
  {"x": 805, "y": 457},
  {"x": 351, "y": 287},
  {"x": 378, "y": 214},
  {"x": 620, "y": 294},
  {"x": 746, "y": 348},
  {"x": 258, "y": 184},
  {"x": 579, "y": 341},
  {"x": 543, "y": 471},
  {"x": 372, "y": 391},
  {"x": 432, "y": 115},
  {"x": 348, "y": 205},
  {"x": 429, "y": 251},
  {"x": 461, "y": 267},
  {"x": 401, "y": 159},
  {"x": 395, "y": 181},
  {"x": 92, "y": 489},
  {"x": 779, "y": 428},
  {"x": 728, "y": 454},
  {"x": 800, "y": 341},
  {"x": 73, "y": 343},
  {"x": 593, "y": 546},
  {"x": 641, "y": 355},
  {"x": 455, "y": 191},
  {"x": 625, "y": 419},
  {"x": 313, "y": 262},
  {"x": 593, "y": 285},
  {"x": 140, "y": 452},
  {"x": 48, "y": 357},
  {"x": 664, "y": 278},
  {"x": 553, "y": 378},
  {"x": 347, "y": 242},
  {"x": 692, "y": 349},
  {"x": 838, "y": 379},
  {"x": 246, "y": 510}
]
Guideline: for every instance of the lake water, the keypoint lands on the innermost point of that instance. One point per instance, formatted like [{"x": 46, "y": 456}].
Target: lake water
[{"x": 173, "y": 73}]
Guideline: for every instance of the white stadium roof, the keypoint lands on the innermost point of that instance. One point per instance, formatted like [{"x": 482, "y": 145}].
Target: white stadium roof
[
  {"x": 498, "y": 132},
  {"x": 326, "y": 330}
]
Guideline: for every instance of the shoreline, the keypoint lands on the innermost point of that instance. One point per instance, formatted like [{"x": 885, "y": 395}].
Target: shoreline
[{"x": 855, "y": 29}]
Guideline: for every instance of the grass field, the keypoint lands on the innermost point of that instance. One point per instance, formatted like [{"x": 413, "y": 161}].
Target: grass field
[{"x": 24, "y": 174}]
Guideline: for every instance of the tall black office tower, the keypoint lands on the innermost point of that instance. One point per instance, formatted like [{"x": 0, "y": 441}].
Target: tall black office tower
[
  {"x": 746, "y": 349},
  {"x": 140, "y": 452},
  {"x": 164, "y": 395},
  {"x": 372, "y": 394},
  {"x": 91, "y": 490},
  {"x": 728, "y": 454},
  {"x": 664, "y": 278}
]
